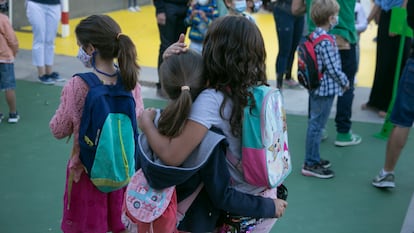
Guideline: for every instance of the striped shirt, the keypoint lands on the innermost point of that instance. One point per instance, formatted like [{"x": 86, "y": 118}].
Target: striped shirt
[{"x": 329, "y": 63}]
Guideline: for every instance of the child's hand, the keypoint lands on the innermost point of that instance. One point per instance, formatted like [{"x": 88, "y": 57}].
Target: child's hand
[
  {"x": 280, "y": 206},
  {"x": 176, "y": 48},
  {"x": 146, "y": 118}
]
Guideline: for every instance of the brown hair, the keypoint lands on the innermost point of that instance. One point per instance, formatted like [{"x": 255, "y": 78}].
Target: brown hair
[
  {"x": 181, "y": 79},
  {"x": 102, "y": 32},
  {"x": 321, "y": 10},
  {"x": 234, "y": 60}
]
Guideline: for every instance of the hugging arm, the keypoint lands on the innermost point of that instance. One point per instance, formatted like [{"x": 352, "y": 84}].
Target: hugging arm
[
  {"x": 216, "y": 179},
  {"x": 171, "y": 151}
]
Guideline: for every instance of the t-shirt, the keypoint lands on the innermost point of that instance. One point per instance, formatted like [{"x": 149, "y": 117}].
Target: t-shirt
[{"x": 206, "y": 111}]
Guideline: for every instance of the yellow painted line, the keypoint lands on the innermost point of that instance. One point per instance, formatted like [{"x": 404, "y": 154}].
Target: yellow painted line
[{"x": 142, "y": 28}]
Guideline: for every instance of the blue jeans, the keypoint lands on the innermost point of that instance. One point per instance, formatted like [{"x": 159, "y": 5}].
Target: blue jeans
[
  {"x": 319, "y": 110},
  {"x": 7, "y": 78},
  {"x": 344, "y": 102},
  {"x": 289, "y": 30},
  {"x": 403, "y": 112}
]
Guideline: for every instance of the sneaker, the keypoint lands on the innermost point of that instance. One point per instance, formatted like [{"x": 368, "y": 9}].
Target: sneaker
[
  {"x": 384, "y": 181},
  {"x": 13, "y": 117},
  {"x": 45, "y": 79},
  {"x": 317, "y": 171},
  {"x": 132, "y": 9},
  {"x": 347, "y": 139},
  {"x": 290, "y": 83},
  {"x": 1, "y": 117},
  {"x": 137, "y": 8},
  {"x": 56, "y": 77},
  {"x": 325, "y": 163}
]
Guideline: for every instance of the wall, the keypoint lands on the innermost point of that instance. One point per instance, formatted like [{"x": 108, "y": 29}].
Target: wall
[{"x": 77, "y": 8}]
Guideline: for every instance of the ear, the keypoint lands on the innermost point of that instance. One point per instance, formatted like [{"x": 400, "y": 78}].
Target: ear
[{"x": 89, "y": 49}]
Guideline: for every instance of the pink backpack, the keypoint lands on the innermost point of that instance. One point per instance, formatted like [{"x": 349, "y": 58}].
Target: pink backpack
[{"x": 151, "y": 210}]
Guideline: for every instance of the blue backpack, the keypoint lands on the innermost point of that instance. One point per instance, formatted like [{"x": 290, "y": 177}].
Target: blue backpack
[
  {"x": 108, "y": 134},
  {"x": 265, "y": 152}
]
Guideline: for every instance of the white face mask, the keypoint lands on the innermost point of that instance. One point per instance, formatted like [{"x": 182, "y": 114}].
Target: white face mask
[
  {"x": 203, "y": 2},
  {"x": 336, "y": 22},
  {"x": 240, "y": 6},
  {"x": 84, "y": 58}
]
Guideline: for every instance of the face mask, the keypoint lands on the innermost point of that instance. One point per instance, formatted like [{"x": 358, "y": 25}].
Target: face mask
[
  {"x": 84, "y": 58},
  {"x": 336, "y": 22},
  {"x": 203, "y": 2},
  {"x": 240, "y": 6}
]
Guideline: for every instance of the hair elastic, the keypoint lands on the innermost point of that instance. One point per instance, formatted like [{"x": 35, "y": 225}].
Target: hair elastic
[
  {"x": 185, "y": 88},
  {"x": 118, "y": 35}
]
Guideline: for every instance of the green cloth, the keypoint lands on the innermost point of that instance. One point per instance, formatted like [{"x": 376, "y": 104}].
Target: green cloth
[{"x": 346, "y": 26}]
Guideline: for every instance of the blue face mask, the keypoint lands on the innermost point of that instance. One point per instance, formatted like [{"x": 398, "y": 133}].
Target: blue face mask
[{"x": 240, "y": 6}]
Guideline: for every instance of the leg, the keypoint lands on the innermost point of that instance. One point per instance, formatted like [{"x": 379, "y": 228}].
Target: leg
[
  {"x": 53, "y": 15},
  {"x": 11, "y": 100},
  {"x": 319, "y": 111},
  {"x": 345, "y": 137},
  {"x": 36, "y": 17},
  {"x": 402, "y": 116},
  {"x": 297, "y": 35},
  {"x": 396, "y": 143},
  {"x": 284, "y": 28}
]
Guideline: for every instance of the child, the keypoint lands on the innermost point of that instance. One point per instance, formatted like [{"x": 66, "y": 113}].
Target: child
[
  {"x": 234, "y": 61},
  {"x": 238, "y": 7},
  {"x": 9, "y": 47},
  {"x": 132, "y": 6},
  {"x": 100, "y": 41},
  {"x": 181, "y": 77},
  {"x": 200, "y": 15},
  {"x": 324, "y": 13}
]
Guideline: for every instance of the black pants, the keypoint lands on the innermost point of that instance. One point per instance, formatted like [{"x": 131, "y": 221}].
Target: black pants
[{"x": 174, "y": 26}]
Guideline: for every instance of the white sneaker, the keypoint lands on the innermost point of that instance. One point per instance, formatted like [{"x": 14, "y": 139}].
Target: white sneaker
[
  {"x": 132, "y": 9},
  {"x": 137, "y": 8}
]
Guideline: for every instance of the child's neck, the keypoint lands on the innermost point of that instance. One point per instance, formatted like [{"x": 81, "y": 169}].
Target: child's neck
[{"x": 326, "y": 27}]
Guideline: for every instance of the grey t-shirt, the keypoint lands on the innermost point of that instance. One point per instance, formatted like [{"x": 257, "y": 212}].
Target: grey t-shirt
[{"x": 206, "y": 111}]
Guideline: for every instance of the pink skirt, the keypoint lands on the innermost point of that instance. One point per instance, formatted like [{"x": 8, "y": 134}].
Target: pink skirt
[{"x": 90, "y": 210}]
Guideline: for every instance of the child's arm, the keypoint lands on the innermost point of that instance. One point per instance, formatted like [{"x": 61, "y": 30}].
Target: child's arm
[
  {"x": 332, "y": 63},
  {"x": 69, "y": 110},
  {"x": 216, "y": 179},
  {"x": 10, "y": 36},
  {"x": 171, "y": 151}
]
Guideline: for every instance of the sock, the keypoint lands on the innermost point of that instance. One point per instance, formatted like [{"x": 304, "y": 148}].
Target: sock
[{"x": 384, "y": 173}]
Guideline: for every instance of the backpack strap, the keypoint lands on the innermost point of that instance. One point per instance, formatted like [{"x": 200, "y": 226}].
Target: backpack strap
[
  {"x": 90, "y": 78},
  {"x": 183, "y": 205},
  {"x": 320, "y": 38}
]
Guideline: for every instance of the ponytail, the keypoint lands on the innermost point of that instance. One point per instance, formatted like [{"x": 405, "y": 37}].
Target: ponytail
[{"x": 127, "y": 61}]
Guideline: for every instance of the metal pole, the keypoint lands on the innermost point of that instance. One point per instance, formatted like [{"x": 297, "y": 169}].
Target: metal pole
[{"x": 65, "y": 18}]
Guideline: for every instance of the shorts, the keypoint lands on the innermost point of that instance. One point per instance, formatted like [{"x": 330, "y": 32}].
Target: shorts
[
  {"x": 7, "y": 78},
  {"x": 403, "y": 111}
]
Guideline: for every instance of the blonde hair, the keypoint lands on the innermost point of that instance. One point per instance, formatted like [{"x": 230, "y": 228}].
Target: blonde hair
[{"x": 321, "y": 10}]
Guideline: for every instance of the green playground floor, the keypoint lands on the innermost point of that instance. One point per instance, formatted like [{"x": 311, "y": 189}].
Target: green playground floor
[{"x": 33, "y": 163}]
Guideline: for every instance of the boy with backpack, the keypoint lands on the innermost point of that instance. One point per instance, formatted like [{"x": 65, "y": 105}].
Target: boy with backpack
[{"x": 324, "y": 13}]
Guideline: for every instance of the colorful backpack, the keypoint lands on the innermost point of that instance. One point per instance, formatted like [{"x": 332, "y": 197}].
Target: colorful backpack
[
  {"x": 309, "y": 75},
  {"x": 265, "y": 153},
  {"x": 108, "y": 134}
]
